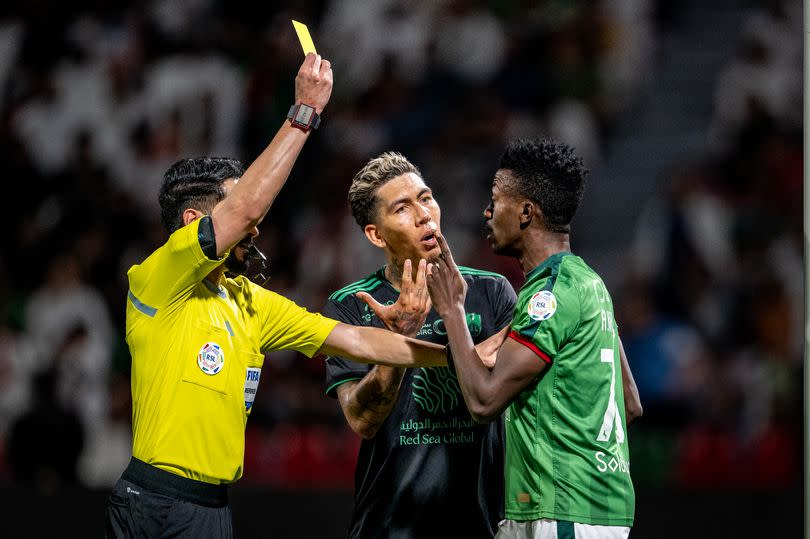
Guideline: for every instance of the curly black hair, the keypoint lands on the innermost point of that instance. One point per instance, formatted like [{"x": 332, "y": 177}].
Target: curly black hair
[
  {"x": 194, "y": 182},
  {"x": 550, "y": 174}
]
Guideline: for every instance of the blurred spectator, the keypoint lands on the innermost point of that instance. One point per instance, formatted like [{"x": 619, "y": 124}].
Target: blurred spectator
[
  {"x": 667, "y": 356},
  {"x": 108, "y": 442},
  {"x": 44, "y": 443},
  {"x": 18, "y": 363},
  {"x": 766, "y": 370},
  {"x": 361, "y": 35},
  {"x": 766, "y": 78},
  {"x": 70, "y": 326},
  {"x": 470, "y": 41}
]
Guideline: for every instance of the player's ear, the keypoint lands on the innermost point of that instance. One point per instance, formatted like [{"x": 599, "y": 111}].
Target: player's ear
[
  {"x": 527, "y": 209},
  {"x": 373, "y": 234},
  {"x": 190, "y": 214}
]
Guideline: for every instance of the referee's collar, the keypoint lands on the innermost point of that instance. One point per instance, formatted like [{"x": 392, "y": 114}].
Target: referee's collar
[{"x": 217, "y": 289}]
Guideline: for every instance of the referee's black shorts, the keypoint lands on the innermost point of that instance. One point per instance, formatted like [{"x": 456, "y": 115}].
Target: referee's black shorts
[{"x": 149, "y": 502}]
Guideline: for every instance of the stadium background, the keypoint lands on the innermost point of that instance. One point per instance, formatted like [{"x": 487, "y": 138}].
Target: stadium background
[{"x": 688, "y": 114}]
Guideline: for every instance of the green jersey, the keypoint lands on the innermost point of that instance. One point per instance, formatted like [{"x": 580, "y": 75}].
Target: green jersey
[{"x": 566, "y": 443}]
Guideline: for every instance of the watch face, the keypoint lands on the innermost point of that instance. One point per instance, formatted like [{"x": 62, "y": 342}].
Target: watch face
[{"x": 304, "y": 115}]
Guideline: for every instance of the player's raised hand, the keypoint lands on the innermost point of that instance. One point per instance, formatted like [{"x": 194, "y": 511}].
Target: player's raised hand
[
  {"x": 313, "y": 84},
  {"x": 409, "y": 312},
  {"x": 447, "y": 287}
]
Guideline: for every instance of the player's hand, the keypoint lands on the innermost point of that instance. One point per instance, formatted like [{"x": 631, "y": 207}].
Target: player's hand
[
  {"x": 313, "y": 84},
  {"x": 407, "y": 315},
  {"x": 488, "y": 349},
  {"x": 447, "y": 287}
]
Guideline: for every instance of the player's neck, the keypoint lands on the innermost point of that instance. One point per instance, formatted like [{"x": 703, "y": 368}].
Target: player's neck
[
  {"x": 215, "y": 277},
  {"x": 538, "y": 245},
  {"x": 393, "y": 272}
]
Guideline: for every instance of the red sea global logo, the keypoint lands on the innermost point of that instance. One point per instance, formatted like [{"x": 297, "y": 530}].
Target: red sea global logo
[
  {"x": 211, "y": 358},
  {"x": 542, "y": 306}
]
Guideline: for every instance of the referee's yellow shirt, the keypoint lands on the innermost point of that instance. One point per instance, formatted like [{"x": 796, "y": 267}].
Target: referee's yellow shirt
[{"x": 197, "y": 352}]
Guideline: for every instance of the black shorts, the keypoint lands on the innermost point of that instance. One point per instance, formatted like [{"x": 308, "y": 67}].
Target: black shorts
[{"x": 149, "y": 502}]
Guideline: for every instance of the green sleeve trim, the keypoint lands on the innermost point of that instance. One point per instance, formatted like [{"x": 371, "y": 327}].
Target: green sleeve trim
[
  {"x": 350, "y": 286},
  {"x": 333, "y": 386},
  {"x": 366, "y": 285}
]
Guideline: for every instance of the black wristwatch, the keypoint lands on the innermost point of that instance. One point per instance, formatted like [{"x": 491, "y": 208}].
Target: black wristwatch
[{"x": 304, "y": 117}]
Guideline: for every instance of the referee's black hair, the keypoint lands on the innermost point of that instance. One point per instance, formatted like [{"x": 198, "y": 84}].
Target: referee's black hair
[
  {"x": 194, "y": 182},
  {"x": 550, "y": 174}
]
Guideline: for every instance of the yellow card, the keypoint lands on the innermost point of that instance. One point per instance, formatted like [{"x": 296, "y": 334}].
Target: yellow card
[{"x": 304, "y": 37}]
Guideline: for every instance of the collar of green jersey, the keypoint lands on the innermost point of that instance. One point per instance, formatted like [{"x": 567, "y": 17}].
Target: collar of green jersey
[{"x": 547, "y": 263}]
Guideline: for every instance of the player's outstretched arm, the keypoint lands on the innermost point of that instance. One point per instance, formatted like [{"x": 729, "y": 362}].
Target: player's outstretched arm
[
  {"x": 487, "y": 392},
  {"x": 368, "y": 402},
  {"x": 382, "y": 347},
  {"x": 632, "y": 402},
  {"x": 251, "y": 197}
]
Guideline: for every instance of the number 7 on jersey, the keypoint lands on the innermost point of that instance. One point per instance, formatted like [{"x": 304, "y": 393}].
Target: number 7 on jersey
[{"x": 612, "y": 418}]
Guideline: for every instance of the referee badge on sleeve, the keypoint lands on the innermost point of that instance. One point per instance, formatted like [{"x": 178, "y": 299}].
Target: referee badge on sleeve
[{"x": 211, "y": 358}]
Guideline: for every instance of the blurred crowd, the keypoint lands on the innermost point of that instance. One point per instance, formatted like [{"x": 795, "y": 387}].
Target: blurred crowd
[
  {"x": 712, "y": 306},
  {"x": 98, "y": 100}
]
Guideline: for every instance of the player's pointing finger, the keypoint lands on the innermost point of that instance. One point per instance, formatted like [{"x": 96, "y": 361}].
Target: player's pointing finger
[{"x": 446, "y": 255}]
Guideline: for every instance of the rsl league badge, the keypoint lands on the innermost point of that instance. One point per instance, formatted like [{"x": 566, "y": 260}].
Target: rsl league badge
[
  {"x": 542, "y": 306},
  {"x": 211, "y": 358}
]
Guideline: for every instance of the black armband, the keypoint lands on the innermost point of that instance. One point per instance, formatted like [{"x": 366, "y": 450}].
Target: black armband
[{"x": 206, "y": 237}]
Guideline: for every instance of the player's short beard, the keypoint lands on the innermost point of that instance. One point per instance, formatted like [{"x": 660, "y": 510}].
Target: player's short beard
[{"x": 505, "y": 250}]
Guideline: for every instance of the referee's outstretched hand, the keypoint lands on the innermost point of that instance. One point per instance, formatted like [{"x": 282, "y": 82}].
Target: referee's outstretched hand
[
  {"x": 313, "y": 84},
  {"x": 409, "y": 312}
]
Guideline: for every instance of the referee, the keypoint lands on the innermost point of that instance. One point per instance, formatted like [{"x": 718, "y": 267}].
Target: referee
[{"x": 197, "y": 337}]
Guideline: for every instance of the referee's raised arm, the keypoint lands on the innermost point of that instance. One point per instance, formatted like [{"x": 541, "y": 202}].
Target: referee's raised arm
[
  {"x": 197, "y": 331},
  {"x": 247, "y": 203}
]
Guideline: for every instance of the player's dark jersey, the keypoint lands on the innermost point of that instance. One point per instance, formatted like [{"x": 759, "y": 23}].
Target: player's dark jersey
[{"x": 430, "y": 469}]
